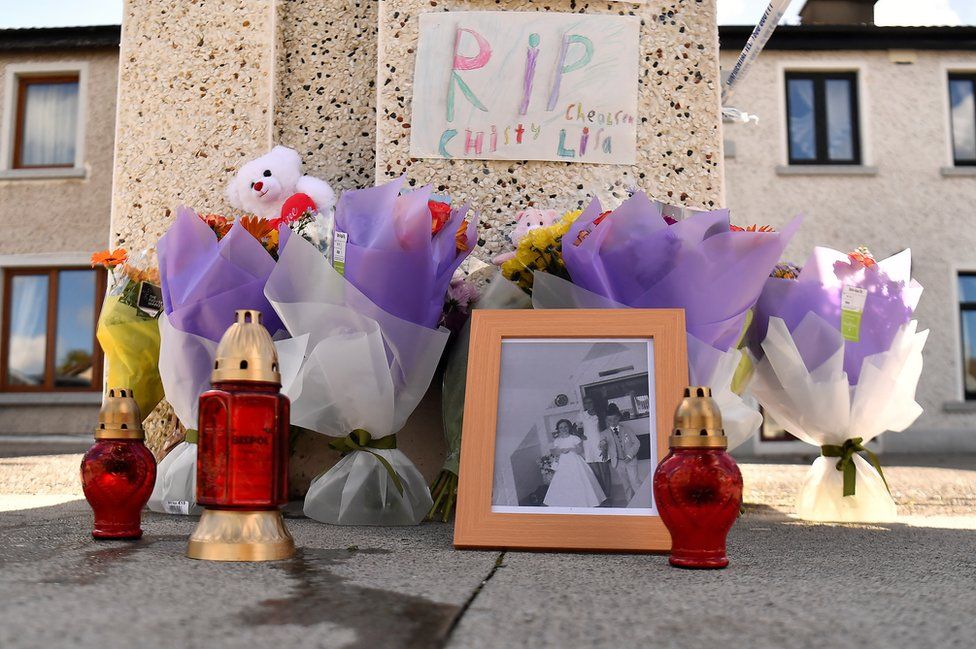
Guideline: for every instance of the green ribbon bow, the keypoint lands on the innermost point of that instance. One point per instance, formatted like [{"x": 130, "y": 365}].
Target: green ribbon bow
[
  {"x": 192, "y": 436},
  {"x": 846, "y": 464},
  {"x": 362, "y": 440}
]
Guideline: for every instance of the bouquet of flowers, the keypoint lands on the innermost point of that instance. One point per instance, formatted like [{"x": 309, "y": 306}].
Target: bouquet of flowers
[
  {"x": 637, "y": 256},
  {"x": 209, "y": 266},
  {"x": 548, "y": 465},
  {"x": 840, "y": 358},
  {"x": 499, "y": 294},
  {"x": 373, "y": 345},
  {"x": 128, "y": 328}
]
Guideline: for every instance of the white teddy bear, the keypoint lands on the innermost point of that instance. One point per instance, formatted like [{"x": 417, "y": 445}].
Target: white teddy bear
[{"x": 262, "y": 185}]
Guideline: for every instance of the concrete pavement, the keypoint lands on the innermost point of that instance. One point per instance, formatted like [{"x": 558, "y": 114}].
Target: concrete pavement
[{"x": 791, "y": 584}]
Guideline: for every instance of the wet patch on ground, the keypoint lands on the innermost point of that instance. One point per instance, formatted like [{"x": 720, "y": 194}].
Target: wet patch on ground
[{"x": 380, "y": 618}]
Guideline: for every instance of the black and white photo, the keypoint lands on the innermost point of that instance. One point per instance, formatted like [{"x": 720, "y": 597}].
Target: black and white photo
[{"x": 576, "y": 427}]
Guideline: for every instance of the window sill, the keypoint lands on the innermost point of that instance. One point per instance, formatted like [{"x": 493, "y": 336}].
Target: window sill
[
  {"x": 959, "y": 407},
  {"x": 956, "y": 172},
  {"x": 826, "y": 170},
  {"x": 51, "y": 173},
  {"x": 50, "y": 398}
]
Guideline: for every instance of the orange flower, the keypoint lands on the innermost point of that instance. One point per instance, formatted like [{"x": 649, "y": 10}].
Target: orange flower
[
  {"x": 862, "y": 256},
  {"x": 219, "y": 224},
  {"x": 752, "y": 228},
  {"x": 440, "y": 214},
  {"x": 461, "y": 237},
  {"x": 258, "y": 228},
  {"x": 109, "y": 258}
]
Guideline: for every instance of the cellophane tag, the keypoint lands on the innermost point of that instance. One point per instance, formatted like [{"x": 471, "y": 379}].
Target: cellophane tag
[
  {"x": 852, "y": 301},
  {"x": 339, "y": 252}
]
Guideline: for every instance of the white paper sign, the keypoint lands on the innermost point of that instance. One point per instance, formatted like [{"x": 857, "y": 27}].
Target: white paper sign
[{"x": 526, "y": 86}]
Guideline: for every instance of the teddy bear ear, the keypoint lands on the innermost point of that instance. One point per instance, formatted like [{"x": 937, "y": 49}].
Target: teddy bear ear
[
  {"x": 233, "y": 192},
  {"x": 520, "y": 215},
  {"x": 288, "y": 156}
]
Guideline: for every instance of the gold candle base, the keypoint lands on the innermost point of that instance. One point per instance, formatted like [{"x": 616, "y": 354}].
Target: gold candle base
[{"x": 230, "y": 535}]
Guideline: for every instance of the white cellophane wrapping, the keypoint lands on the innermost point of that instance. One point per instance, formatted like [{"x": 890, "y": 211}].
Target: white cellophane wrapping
[
  {"x": 706, "y": 364},
  {"x": 185, "y": 364},
  {"x": 820, "y": 407},
  {"x": 363, "y": 369}
]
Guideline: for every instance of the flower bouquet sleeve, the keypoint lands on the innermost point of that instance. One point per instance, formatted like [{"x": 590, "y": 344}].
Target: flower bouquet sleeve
[
  {"x": 840, "y": 389},
  {"x": 128, "y": 331},
  {"x": 635, "y": 256},
  {"x": 364, "y": 372},
  {"x": 206, "y": 273}
]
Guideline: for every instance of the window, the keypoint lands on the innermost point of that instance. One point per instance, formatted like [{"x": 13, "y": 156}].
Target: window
[
  {"x": 49, "y": 318},
  {"x": 967, "y": 320},
  {"x": 962, "y": 116},
  {"x": 770, "y": 431},
  {"x": 45, "y": 130},
  {"x": 822, "y": 117}
]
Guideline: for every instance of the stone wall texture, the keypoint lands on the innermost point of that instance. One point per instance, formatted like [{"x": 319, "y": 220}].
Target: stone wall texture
[
  {"x": 678, "y": 137},
  {"x": 907, "y": 203},
  {"x": 197, "y": 80},
  {"x": 325, "y": 104}
]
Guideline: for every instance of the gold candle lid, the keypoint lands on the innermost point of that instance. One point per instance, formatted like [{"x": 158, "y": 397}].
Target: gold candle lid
[
  {"x": 246, "y": 352},
  {"x": 119, "y": 417},
  {"x": 698, "y": 421}
]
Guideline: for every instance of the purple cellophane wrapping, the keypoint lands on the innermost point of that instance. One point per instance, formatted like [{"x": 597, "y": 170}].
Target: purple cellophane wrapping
[
  {"x": 634, "y": 257},
  {"x": 891, "y": 301},
  {"x": 390, "y": 254}
]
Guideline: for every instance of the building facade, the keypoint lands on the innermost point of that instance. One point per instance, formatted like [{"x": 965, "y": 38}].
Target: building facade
[
  {"x": 58, "y": 93},
  {"x": 870, "y": 133}
]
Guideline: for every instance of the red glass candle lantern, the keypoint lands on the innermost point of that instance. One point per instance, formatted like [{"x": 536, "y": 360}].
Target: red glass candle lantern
[
  {"x": 242, "y": 454},
  {"x": 698, "y": 487},
  {"x": 118, "y": 471}
]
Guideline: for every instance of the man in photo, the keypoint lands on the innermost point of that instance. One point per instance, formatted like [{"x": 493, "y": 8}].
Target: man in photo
[
  {"x": 595, "y": 445},
  {"x": 623, "y": 446}
]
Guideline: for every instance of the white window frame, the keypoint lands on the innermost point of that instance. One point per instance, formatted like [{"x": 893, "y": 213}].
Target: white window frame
[
  {"x": 863, "y": 108},
  {"x": 13, "y": 72}
]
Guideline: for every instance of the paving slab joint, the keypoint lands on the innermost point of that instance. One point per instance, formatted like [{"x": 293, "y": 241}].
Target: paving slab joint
[{"x": 499, "y": 563}]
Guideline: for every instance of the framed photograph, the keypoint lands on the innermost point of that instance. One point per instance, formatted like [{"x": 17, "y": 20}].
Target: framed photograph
[{"x": 567, "y": 414}]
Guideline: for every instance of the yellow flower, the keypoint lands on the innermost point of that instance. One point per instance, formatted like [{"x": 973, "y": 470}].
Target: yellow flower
[{"x": 540, "y": 249}]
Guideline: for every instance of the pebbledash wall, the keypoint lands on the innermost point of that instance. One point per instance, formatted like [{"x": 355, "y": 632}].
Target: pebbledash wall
[
  {"x": 205, "y": 86},
  {"x": 56, "y": 217},
  {"x": 907, "y": 193}
]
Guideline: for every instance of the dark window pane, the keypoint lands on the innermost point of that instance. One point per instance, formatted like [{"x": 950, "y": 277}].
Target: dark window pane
[
  {"x": 840, "y": 122},
  {"x": 967, "y": 288},
  {"x": 74, "y": 349},
  {"x": 803, "y": 140},
  {"x": 969, "y": 350},
  {"x": 27, "y": 346},
  {"x": 963, "y": 119}
]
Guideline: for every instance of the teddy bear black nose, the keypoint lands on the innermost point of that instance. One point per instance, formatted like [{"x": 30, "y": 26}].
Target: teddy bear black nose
[{"x": 267, "y": 173}]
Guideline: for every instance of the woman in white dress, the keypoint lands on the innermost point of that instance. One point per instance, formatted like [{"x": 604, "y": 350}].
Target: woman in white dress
[{"x": 573, "y": 484}]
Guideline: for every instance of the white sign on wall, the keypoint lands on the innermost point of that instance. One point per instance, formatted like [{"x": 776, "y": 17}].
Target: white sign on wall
[{"x": 526, "y": 86}]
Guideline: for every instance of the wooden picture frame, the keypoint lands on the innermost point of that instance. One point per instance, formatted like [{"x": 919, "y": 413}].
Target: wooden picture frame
[{"x": 479, "y": 523}]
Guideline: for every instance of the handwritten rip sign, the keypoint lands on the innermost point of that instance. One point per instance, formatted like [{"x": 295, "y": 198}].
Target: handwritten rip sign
[{"x": 526, "y": 86}]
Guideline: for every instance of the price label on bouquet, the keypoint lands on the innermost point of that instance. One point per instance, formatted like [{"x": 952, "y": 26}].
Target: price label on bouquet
[
  {"x": 339, "y": 252},
  {"x": 852, "y": 300},
  {"x": 526, "y": 85}
]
